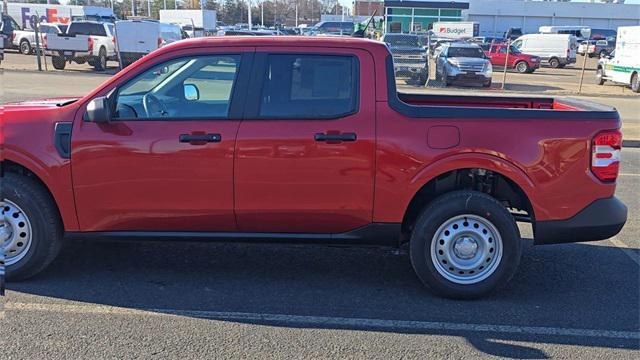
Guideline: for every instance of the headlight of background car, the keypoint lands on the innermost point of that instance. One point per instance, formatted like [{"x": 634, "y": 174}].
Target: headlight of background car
[{"x": 453, "y": 62}]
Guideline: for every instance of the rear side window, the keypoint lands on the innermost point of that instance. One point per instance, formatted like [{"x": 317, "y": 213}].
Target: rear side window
[
  {"x": 87, "y": 29},
  {"x": 310, "y": 86}
]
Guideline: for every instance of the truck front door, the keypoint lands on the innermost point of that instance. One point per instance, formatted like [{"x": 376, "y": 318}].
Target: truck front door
[
  {"x": 305, "y": 151},
  {"x": 165, "y": 161}
]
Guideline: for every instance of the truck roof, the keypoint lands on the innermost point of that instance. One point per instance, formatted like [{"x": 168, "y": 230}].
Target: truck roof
[{"x": 315, "y": 41}]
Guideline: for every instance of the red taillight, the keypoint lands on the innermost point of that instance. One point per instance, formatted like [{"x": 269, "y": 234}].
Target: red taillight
[
  {"x": 44, "y": 41},
  {"x": 605, "y": 155},
  {"x": 90, "y": 44},
  {"x": 13, "y": 36}
]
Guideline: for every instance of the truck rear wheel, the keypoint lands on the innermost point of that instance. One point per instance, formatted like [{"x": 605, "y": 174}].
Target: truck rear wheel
[
  {"x": 554, "y": 63},
  {"x": 100, "y": 64},
  {"x": 30, "y": 228},
  {"x": 59, "y": 62},
  {"x": 465, "y": 245},
  {"x": 635, "y": 83}
]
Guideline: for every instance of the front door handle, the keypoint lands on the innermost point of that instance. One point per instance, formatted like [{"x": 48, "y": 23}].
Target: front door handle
[
  {"x": 336, "y": 137},
  {"x": 198, "y": 139}
]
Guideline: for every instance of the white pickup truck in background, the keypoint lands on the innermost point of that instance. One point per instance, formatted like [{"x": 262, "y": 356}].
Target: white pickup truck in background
[
  {"x": 25, "y": 40},
  {"x": 85, "y": 41},
  {"x": 137, "y": 38}
]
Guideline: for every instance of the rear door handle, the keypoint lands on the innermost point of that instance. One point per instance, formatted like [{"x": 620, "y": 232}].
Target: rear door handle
[
  {"x": 200, "y": 138},
  {"x": 336, "y": 137}
]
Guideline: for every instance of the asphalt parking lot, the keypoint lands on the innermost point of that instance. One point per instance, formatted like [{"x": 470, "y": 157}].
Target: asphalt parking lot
[{"x": 192, "y": 300}]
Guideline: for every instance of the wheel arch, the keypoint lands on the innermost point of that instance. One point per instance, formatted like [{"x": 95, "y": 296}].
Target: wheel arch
[
  {"x": 497, "y": 178},
  {"x": 64, "y": 206}
]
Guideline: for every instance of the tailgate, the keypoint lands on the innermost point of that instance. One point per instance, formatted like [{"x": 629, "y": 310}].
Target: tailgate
[{"x": 67, "y": 43}]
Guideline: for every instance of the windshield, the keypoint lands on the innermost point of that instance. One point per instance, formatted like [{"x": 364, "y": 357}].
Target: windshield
[
  {"x": 405, "y": 40},
  {"x": 465, "y": 52}
]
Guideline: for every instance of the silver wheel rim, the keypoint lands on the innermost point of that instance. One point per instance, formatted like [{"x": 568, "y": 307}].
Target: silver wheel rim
[
  {"x": 522, "y": 67},
  {"x": 15, "y": 232},
  {"x": 466, "y": 249},
  {"x": 26, "y": 48}
]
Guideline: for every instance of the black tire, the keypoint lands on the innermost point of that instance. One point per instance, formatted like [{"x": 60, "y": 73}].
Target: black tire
[
  {"x": 438, "y": 213},
  {"x": 59, "y": 62},
  {"x": 635, "y": 83},
  {"x": 100, "y": 63},
  {"x": 600, "y": 76},
  {"x": 554, "y": 63},
  {"x": 422, "y": 79},
  {"x": 25, "y": 47},
  {"x": 46, "y": 227},
  {"x": 487, "y": 84},
  {"x": 522, "y": 67},
  {"x": 603, "y": 53},
  {"x": 445, "y": 78}
]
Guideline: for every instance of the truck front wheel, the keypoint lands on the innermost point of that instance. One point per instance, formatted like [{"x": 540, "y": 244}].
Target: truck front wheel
[
  {"x": 30, "y": 228},
  {"x": 59, "y": 62},
  {"x": 25, "y": 47},
  {"x": 465, "y": 244}
]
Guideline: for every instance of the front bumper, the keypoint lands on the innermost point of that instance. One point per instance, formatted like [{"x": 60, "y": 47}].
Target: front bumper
[
  {"x": 405, "y": 69},
  {"x": 478, "y": 78},
  {"x": 600, "y": 220}
]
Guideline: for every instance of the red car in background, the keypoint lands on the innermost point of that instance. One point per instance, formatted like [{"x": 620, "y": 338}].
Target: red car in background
[{"x": 523, "y": 63}]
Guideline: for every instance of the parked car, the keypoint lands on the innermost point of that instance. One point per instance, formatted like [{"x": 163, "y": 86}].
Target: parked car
[
  {"x": 409, "y": 56},
  {"x": 512, "y": 33},
  {"x": 463, "y": 63},
  {"x": 137, "y": 38},
  {"x": 7, "y": 27},
  {"x": 312, "y": 143},
  {"x": 523, "y": 63},
  {"x": 597, "y": 48},
  {"x": 85, "y": 41},
  {"x": 558, "y": 50},
  {"x": 623, "y": 64},
  {"x": 341, "y": 28},
  {"x": 25, "y": 40}
]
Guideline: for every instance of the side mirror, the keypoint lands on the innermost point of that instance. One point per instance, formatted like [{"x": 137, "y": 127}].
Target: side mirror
[
  {"x": 191, "y": 92},
  {"x": 98, "y": 110}
]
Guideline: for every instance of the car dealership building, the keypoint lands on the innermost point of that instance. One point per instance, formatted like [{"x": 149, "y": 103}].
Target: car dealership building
[{"x": 496, "y": 16}]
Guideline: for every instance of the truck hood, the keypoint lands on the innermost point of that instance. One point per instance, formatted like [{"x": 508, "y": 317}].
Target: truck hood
[
  {"x": 39, "y": 104},
  {"x": 406, "y": 49}
]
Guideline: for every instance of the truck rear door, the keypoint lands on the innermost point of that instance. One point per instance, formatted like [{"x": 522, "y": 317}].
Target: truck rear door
[{"x": 305, "y": 150}]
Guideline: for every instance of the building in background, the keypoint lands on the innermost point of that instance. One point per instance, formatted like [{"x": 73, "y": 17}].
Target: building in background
[
  {"x": 495, "y": 17},
  {"x": 368, "y": 7}
]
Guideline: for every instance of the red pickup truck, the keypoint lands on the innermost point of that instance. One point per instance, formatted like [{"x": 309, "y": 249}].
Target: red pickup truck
[
  {"x": 522, "y": 63},
  {"x": 306, "y": 140}
]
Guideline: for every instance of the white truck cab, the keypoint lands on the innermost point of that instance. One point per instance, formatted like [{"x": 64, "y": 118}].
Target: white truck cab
[{"x": 623, "y": 65}]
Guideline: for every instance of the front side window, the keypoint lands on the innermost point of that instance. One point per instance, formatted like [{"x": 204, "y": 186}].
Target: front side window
[
  {"x": 186, "y": 88},
  {"x": 309, "y": 86}
]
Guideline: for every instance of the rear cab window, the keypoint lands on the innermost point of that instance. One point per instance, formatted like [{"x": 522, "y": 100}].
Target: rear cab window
[{"x": 309, "y": 86}]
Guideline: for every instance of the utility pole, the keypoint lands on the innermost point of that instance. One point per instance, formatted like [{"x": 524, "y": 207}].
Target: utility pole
[
  {"x": 149, "y": 8},
  {"x": 134, "y": 8},
  {"x": 296, "y": 13},
  {"x": 249, "y": 14},
  {"x": 5, "y": 10},
  {"x": 262, "y": 13}
]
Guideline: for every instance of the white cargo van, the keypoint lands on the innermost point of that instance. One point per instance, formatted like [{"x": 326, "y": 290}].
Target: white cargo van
[
  {"x": 136, "y": 38},
  {"x": 557, "y": 50},
  {"x": 623, "y": 65}
]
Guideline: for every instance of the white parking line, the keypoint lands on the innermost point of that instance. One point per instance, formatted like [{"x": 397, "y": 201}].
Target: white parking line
[
  {"x": 323, "y": 321},
  {"x": 628, "y": 174}
]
